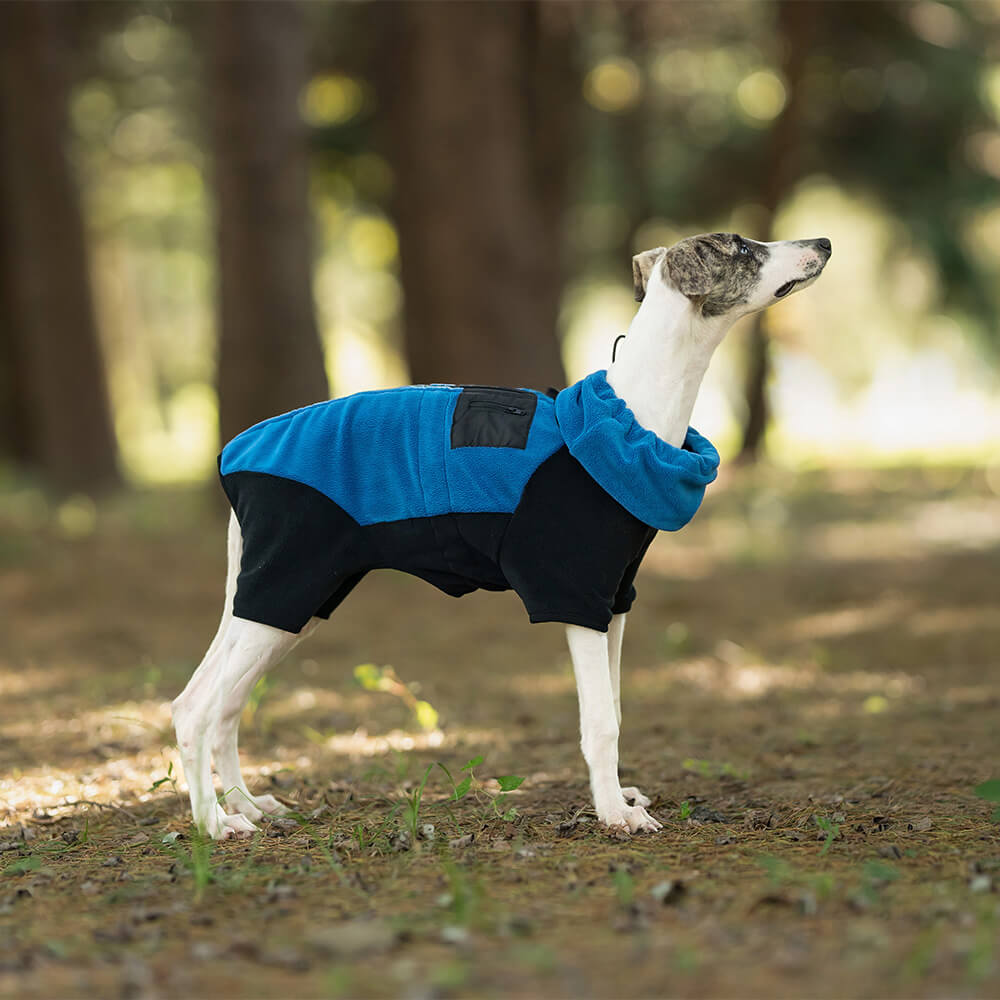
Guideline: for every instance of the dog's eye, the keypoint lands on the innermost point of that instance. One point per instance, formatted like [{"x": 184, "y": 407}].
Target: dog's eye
[{"x": 744, "y": 248}]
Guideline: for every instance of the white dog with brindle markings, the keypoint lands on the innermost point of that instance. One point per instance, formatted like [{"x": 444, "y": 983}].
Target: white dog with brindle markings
[{"x": 690, "y": 294}]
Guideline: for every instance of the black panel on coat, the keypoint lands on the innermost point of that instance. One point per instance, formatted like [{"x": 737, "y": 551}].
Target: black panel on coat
[{"x": 487, "y": 417}]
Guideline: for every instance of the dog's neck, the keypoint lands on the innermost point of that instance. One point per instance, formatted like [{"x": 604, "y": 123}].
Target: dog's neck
[{"x": 659, "y": 365}]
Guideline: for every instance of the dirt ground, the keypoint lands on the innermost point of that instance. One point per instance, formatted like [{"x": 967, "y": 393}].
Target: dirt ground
[{"x": 811, "y": 692}]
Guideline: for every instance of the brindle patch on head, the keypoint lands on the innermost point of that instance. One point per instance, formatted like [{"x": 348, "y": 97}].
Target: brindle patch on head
[{"x": 717, "y": 269}]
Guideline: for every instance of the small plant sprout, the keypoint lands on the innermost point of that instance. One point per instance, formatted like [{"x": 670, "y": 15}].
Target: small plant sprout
[
  {"x": 778, "y": 870},
  {"x": 197, "y": 861},
  {"x": 990, "y": 791},
  {"x": 507, "y": 783},
  {"x": 624, "y": 886},
  {"x": 411, "y": 807},
  {"x": 414, "y": 800},
  {"x": 373, "y": 678},
  {"x": 464, "y": 896},
  {"x": 685, "y": 810},
  {"x": 831, "y": 829},
  {"x": 168, "y": 779},
  {"x": 714, "y": 769}
]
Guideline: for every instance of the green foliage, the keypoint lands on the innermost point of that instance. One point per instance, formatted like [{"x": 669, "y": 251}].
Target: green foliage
[
  {"x": 168, "y": 779},
  {"x": 385, "y": 679},
  {"x": 508, "y": 782},
  {"x": 779, "y": 871},
  {"x": 411, "y": 806},
  {"x": 831, "y": 829},
  {"x": 32, "y": 863},
  {"x": 196, "y": 860},
  {"x": 714, "y": 769},
  {"x": 465, "y": 894},
  {"x": 459, "y": 790},
  {"x": 624, "y": 886},
  {"x": 990, "y": 791}
]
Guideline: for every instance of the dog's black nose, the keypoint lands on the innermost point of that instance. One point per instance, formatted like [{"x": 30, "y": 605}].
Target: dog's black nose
[{"x": 824, "y": 244}]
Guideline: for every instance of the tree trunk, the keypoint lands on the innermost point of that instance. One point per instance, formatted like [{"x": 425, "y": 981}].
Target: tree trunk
[
  {"x": 270, "y": 357},
  {"x": 55, "y": 384},
  {"x": 13, "y": 422},
  {"x": 480, "y": 104},
  {"x": 796, "y": 23}
]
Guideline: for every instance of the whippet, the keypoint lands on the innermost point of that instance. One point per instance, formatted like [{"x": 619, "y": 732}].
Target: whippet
[{"x": 554, "y": 496}]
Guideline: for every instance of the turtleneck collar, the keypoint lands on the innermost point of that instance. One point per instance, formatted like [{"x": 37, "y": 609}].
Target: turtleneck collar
[{"x": 659, "y": 484}]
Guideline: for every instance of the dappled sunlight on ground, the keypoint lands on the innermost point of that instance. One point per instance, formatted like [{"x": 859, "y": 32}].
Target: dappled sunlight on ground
[
  {"x": 811, "y": 649},
  {"x": 741, "y": 681},
  {"x": 844, "y": 621}
]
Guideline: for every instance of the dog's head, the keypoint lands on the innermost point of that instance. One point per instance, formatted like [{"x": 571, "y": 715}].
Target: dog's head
[{"x": 726, "y": 275}]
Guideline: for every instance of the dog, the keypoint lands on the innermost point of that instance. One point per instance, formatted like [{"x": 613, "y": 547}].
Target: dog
[{"x": 556, "y": 496}]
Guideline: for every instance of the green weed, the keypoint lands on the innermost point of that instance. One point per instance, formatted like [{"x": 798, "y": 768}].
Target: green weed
[
  {"x": 831, "y": 829},
  {"x": 385, "y": 679},
  {"x": 507, "y": 783},
  {"x": 464, "y": 897},
  {"x": 713, "y": 769},
  {"x": 990, "y": 791},
  {"x": 624, "y": 886},
  {"x": 197, "y": 860},
  {"x": 875, "y": 876},
  {"x": 47, "y": 849},
  {"x": 411, "y": 805},
  {"x": 169, "y": 779}
]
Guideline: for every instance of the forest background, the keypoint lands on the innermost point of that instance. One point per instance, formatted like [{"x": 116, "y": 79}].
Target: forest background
[{"x": 213, "y": 213}]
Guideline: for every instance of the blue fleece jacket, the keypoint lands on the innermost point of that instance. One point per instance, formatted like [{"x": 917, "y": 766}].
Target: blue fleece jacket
[
  {"x": 464, "y": 486},
  {"x": 385, "y": 455}
]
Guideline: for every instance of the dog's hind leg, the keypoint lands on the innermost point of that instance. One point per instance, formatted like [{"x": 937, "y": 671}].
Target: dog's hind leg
[
  {"x": 234, "y": 553},
  {"x": 244, "y": 653},
  {"x": 237, "y": 796}
]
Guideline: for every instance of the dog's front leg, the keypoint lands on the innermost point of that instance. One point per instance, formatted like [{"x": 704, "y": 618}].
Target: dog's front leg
[
  {"x": 616, "y": 632},
  {"x": 599, "y": 730}
]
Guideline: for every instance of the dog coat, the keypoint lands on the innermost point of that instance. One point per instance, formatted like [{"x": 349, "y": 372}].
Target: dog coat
[{"x": 466, "y": 487}]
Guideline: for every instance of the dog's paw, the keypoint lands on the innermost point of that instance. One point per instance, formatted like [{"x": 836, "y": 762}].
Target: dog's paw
[
  {"x": 635, "y": 797},
  {"x": 631, "y": 819},
  {"x": 218, "y": 825},
  {"x": 269, "y": 805},
  {"x": 254, "y": 807}
]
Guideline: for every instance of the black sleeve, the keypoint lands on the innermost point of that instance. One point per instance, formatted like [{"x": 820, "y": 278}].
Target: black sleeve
[
  {"x": 626, "y": 589},
  {"x": 571, "y": 550}
]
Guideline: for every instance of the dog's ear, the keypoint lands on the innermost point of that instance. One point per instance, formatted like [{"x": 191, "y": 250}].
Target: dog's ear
[
  {"x": 687, "y": 269},
  {"x": 642, "y": 267}
]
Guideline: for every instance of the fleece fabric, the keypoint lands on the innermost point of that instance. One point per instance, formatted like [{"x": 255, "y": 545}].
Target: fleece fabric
[{"x": 464, "y": 486}]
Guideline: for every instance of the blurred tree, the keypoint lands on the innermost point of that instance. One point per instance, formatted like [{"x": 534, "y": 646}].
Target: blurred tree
[
  {"x": 13, "y": 419},
  {"x": 782, "y": 169},
  {"x": 480, "y": 102},
  {"x": 749, "y": 100},
  {"x": 55, "y": 394},
  {"x": 270, "y": 357}
]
